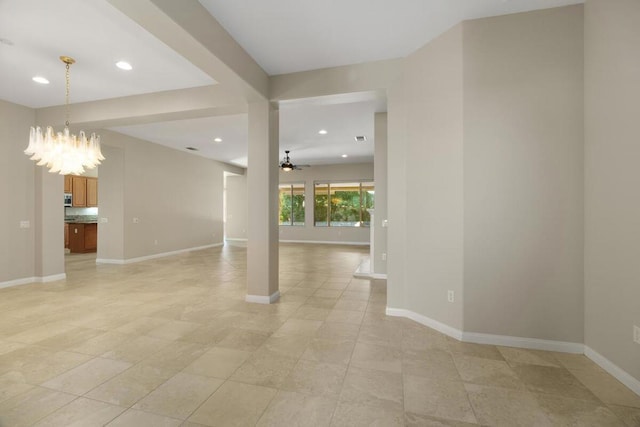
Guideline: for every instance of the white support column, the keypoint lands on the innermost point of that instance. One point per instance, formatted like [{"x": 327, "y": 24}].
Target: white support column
[{"x": 262, "y": 192}]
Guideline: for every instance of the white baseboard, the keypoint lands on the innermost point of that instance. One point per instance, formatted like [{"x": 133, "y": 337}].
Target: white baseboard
[
  {"x": 325, "y": 242},
  {"x": 154, "y": 256},
  {"x": 423, "y": 320},
  {"x": 27, "y": 280},
  {"x": 613, "y": 369},
  {"x": 530, "y": 343},
  {"x": 362, "y": 275},
  {"x": 478, "y": 338},
  {"x": 259, "y": 299},
  {"x": 17, "y": 282},
  {"x": 236, "y": 239},
  {"x": 52, "y": 278}
]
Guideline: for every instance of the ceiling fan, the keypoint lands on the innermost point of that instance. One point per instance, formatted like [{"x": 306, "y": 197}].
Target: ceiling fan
[{"x": 286, "y": 164}]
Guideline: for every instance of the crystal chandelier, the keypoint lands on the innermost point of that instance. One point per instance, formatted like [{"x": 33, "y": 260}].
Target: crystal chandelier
[{"x": 63, "y": 152}]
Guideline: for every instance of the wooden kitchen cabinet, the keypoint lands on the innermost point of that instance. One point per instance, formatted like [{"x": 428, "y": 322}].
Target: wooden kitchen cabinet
[
  {"x": 83, "y": 237},
  {"x": 92, "y": 192},
  {"x": 79, "y": 190},
  {"x": 67, "y": 184},
  {"x": 66, "y": 236},
  {"x": 84, "y": 190}
]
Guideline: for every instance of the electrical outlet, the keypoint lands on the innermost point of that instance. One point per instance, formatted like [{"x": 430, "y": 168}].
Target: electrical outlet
[
  {"x": 136, "y": 220},
  {"x": 384, "y": 256},
  {"x": 450, "y": 296},
  {"x": 636, "y": 334},
  {"x": 155, "y": 242},
  {"x": 104, "y": 220},
  {"x": 25, "y": 224}
]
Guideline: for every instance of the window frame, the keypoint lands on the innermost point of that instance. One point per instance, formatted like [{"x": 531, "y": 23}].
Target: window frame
[
  {"x": 360, "y": 223},
  {"x": 291, "y": 186}
]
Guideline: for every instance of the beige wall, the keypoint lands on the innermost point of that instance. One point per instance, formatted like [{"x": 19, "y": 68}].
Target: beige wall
[
  {"x": 236, "y": 225},
  {"x": 523, "y": 174},
  {"x": 350, "y": 172},
  {"x": 380, "y": 177},
  {"x": 17, "y": 194},
  {"x": 176, "y": 197},
  {"x": 433, "y": 97},
  {"x": 49, "y": 225},
  {"x": 612, "y": 221},
  {"x": 111, "y": 204}
]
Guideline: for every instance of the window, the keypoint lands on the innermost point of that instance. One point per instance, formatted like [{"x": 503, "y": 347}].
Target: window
[
  {"x": 291, "y": 198},
  {"x": 343, "y": 204}
]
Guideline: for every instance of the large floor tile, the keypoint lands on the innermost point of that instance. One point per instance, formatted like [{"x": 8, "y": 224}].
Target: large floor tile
[
  {"x": 136, "y": 349},
  {"x": 82, "y": 412},
  {"x": 490, "y": 372},
  {"x": 373, "y": 388},
  {"x": 433, "y": 364},
  {"x": 234, "y": 404},
  {"x": 444, "y": 399},
  {"x": 179, "y": 396},
  {"x": 607, "y": 388},
  {"x": 265, "y": 368},
  {"x": 371, "y": 356},
  {"x": 572, "y": 412},
  {"x": 329, "y": 350},
  {"x": 131, "y": 385},
  {"x": 175, "y": 339},
  {"x": 296, "y": 409},
  {"x": 349, "y": 414},
  {"x": 630, "y": 416},
  {"x": 136, "y": 418},
  {"x": 496, "y": 406},
  {"x": 218, "y": 362},
  {"x": 85, "y": 377},
  {"x": 417, "y": 420},
  {"x": 551, "y": 380},
  {"x": 27, "y": 408},
  {"x": 316, "y": 378},
  {"x": 476, "y": 350},
  {"x": 243, "y": 339},
  {"x": 524, "y": 356}
]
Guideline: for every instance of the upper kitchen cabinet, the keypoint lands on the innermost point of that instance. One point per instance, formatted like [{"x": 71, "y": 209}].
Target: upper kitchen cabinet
[
  {"x": 92, "y": 192},
  {"x": 79, "y": 190},
  {"x": 84, "y": 190},
  {"x": 67, "y": 183}
]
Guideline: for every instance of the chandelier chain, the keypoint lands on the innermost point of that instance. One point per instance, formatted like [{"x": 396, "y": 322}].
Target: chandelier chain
[{"x": 66, "y": 100}]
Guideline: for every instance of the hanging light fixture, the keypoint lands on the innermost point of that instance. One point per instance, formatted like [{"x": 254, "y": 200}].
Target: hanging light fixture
[
  {"x": 63, "y": 152},
  {"x": 286, "y": 164}
]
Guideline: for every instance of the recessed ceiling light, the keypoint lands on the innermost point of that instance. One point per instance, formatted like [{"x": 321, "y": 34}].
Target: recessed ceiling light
[
  {"x": 322, "y": 132},
  {"x": 6, "y": 42},
  {"x": 41, "y": 80},
  {"x": 217, "y": 140},
  {"x": 123, "y": 65},
  {"x": 344, "y": 155},
  {"x": 191, "y": 148},
  {"x": 360, "y": 138}
]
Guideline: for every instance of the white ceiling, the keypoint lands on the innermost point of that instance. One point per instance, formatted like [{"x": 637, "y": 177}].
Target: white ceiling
[
  {"x": 282, "y": 36},
  {"x": 200, "y": 134},
  {"x": 299, "y": 126},
  {"x": 96, "y": 35},
  {"x": 286, "y": 36}
]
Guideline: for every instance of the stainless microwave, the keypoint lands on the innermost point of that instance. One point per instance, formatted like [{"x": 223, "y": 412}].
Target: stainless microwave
[{"x": 68, "y": 199}]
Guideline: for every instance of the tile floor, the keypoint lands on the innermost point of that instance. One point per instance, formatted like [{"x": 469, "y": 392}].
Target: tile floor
[{"x": 171, "y": 342}]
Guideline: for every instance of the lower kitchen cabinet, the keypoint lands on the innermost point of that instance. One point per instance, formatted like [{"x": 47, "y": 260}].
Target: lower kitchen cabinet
[{"x": 83, "y": 237}]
